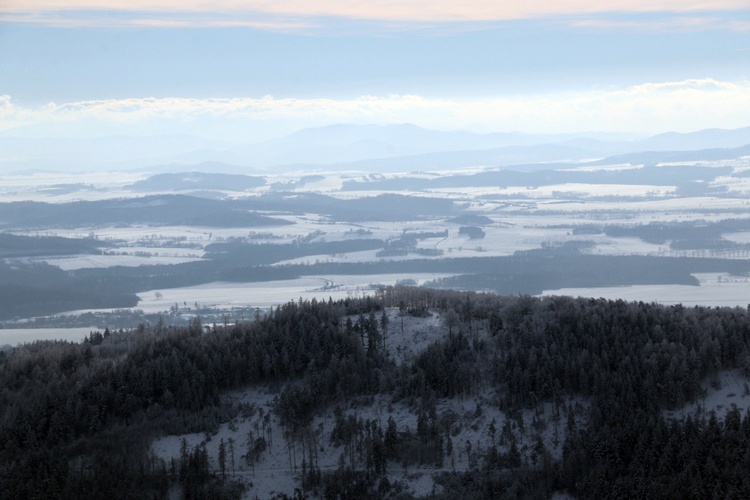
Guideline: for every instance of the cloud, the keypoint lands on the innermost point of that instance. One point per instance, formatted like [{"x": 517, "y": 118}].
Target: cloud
[
  {"x": 289, "y": 13},
  {"x": 672, "y": 24},
  {"x": 650, "y": 107},
  {"x": 704, "y": 84},
  {"x": 157, "y": 19}
]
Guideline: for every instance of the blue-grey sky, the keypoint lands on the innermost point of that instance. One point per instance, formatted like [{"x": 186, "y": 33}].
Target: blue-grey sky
[{"x": 259, "y": 69}]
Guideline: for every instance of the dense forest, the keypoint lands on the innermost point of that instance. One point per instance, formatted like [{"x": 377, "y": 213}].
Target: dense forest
[{"x": 78, "y": 418}]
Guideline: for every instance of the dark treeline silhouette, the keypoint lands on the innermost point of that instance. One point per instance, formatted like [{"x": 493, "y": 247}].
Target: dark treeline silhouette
[
  {"x": 17, "y": 246},
  {"x": 661, "y": 232},
  {"x": 180, "y": 209},
  {"x": 34, "y": 289},
  {"x": 76, "y": 420},
  {"x": 240, "y": 253},
  {"x": 154, "y": 209}
]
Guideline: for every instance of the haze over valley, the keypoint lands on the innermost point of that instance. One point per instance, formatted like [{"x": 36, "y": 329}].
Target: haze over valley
[{"x": 670, "y": 224}]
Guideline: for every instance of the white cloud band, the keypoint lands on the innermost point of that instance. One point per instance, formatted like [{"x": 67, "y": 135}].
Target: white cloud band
[
  {"x": 649, "y": 107},
  {"x": 394, "y": 10},
  {"x": 297, "y": 14}
]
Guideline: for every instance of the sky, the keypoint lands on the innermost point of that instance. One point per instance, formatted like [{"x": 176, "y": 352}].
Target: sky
[{"x": 249, "y": 70}]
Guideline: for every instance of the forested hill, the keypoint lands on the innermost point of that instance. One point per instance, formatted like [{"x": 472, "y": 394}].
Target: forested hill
[{"x": 76, "y": 420}]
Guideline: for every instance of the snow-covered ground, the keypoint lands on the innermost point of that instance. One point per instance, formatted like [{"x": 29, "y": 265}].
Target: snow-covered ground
[
  {"x": 719, "y": 289},
  {"x": 127, "y": 259},
  {"x": 15, "y": 336},
  {"x": 521, "y": 219},
  {"x": 728, "y": 389},
  {"x": 279, "y": 468},
  {"x": 271, "y": 293},
  {"x": 556, "y": 190}
]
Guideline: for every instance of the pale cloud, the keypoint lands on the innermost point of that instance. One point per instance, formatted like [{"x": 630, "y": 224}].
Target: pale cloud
[
  {"x": 149, "y": 19},
  {"x": 695, "y": 84},
  {"x": 682, "y": 24},
  {"x": 420, "y": 11},
  {"x": 646, "y": 108}
]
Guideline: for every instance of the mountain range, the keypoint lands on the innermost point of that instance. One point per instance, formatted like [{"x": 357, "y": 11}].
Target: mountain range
[{"x": 360, "y": 147}]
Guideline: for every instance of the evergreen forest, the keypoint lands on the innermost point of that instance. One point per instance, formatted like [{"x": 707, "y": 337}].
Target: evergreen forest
[{"x": 608, "y": 377}]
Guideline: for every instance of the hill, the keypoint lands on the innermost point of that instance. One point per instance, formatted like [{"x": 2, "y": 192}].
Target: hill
[{"x": 409, "y": 393}]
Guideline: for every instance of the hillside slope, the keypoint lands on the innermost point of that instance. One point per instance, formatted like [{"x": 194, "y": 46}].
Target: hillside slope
[{"x": 409, "y": 393}]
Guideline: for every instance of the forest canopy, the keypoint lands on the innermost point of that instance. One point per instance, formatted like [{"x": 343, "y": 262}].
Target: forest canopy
[{"x": 77, "y": 418}]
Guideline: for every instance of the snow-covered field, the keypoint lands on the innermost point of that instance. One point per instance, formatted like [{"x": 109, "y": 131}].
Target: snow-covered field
[
  {"x": 522, "y": 218},
  {"x": 15, "y": 336},
  {"x": 271, "y": 293},
  {"x": 128, "y": 260},
  {"x": 557, "y": 190},
  {"x": 718, "y": 290},
  {"x": 189, "y": 235},
  {"x": 59, "y": 187}
]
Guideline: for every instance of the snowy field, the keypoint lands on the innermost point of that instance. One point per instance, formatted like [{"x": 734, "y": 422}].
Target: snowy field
[
  {"x": 189, "y": 235},
  {"x": 555, "y": 190},
  {"x": 522, "y": 218},
  {"x": 126, "y": 259},
  {"x": 15, "y": 336},
  {"x": 716, "y": 290},
  {"x": 271, "y": 293}
]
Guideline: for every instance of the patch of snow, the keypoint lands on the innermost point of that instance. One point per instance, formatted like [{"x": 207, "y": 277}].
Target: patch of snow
[
  {"x": 469, "y": 417},
  {"x": 715, "y": 289},
  {"x": 728, "y": 389},
  {"x": 15, "y": 336}
]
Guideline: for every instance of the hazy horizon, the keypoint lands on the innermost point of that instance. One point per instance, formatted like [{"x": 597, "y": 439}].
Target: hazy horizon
[{"x": 252, "y": 71}]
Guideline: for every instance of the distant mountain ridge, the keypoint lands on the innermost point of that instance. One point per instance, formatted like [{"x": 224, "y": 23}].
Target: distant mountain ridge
[
  {"x": 712, "y": 138},
  {"x": 654, "y": 157},
  {"x": 408, "y": 147},
  {"x": 343, "y": 146}
]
